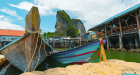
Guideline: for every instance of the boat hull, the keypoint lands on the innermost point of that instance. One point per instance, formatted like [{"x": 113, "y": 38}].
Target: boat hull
[
  {"x": 20, "y": 54},
  {"x": 76, "y": 54},
  {"x": 82, "y": 61}
]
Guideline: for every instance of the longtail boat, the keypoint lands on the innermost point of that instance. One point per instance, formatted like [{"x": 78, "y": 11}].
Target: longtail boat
[
  {"x": 28, "y": 51},
  {"x": 77, "y": 55}
]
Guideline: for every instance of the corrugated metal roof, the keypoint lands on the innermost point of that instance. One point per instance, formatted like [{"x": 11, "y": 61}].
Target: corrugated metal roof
[{"x": 118, "y": 15}]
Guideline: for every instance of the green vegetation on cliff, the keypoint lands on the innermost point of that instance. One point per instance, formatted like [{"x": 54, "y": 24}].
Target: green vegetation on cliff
[
  {"x": 75, "y": 19},
  {"x": 71, "y": 31},
  {"x": 65, "y": 17}
]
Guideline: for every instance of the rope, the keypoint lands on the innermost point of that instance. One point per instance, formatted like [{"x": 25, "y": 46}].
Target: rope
[
  {"x": 39, "y": 55},
  {"x": 39, "y": 31},
  {"x": 32, "y": 56}
]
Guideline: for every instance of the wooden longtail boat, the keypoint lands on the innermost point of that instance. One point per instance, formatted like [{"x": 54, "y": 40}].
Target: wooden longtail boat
[
  {"x": 28, "y": 51},
  {"x": 77, "y": 55}
]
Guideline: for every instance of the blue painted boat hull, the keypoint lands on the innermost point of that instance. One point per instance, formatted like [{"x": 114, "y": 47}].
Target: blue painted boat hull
[{"x": 76, "y": 54}]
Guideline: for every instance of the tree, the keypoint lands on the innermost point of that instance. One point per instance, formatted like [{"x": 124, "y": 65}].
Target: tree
[
  {"x": 72, "y": 32},
  {"x": 49, "y": 35}
]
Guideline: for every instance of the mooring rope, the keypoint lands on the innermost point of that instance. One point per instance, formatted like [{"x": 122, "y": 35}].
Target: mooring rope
[
  {"x": 39, "y": 31},
  {"x": 39, "y": 55}
]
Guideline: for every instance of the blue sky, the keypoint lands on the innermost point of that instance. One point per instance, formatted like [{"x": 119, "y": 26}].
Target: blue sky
[{"x": 91, "y": 12}]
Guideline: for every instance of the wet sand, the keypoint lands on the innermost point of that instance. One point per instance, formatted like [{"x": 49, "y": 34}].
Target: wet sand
[{"x": 109, "y": 67}]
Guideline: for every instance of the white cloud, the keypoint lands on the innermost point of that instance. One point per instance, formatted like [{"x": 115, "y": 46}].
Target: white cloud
[
  {"x": 23, "y": 5},
  {"x": 12, "y": 13},
  {"x": 6, "y": 24},
  {"x": 92, "y": 12},
  {"x": 43, "y": 9}
]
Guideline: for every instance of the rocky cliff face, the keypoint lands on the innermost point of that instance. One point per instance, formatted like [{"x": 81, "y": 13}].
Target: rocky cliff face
[
  {"x": 60, "y": 25},
  {"x": 63, "y": 21},
  {"x": 79, "y": 25}
]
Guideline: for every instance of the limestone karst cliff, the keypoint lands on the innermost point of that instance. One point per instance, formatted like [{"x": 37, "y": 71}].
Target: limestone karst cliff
[{"x": 64, "y": 22}]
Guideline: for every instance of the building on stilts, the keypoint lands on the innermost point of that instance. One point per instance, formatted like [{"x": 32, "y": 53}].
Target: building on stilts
[{"x": 122, "y": 31}]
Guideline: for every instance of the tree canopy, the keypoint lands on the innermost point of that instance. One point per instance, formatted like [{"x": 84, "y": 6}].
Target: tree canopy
[{"x": 72, "y": 31}]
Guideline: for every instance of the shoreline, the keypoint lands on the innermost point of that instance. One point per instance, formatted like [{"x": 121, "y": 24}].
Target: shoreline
[
  {"x": 109, "y": 67},
  {"x": 132, "y": 50}
]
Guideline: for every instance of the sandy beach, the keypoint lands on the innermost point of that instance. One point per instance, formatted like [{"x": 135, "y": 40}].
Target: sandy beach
[{"x": 109, "y": 67}]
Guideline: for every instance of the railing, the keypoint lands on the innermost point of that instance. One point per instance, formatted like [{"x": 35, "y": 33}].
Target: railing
[
  {"x": 129, "y": 28},
  {"x": 116, "y": 30}
]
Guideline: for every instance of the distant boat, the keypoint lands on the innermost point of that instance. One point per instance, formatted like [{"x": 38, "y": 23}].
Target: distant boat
[
  {"x": 28, "y": 51},
  {"x": 78, "y": 55}
]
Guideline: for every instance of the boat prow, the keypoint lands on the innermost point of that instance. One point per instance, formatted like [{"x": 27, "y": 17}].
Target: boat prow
[{"x": 28, "y": 51}]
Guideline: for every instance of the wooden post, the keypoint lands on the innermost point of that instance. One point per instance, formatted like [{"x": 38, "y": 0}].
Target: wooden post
[
  {"x": 54, "y": 40},
  {"x": 98, "y": 33},
  {"x": 136, "y": 42},
  {"x": 107, "y": 42},
  {"x": 111, "y": 28},
  {"x": 138, "y": 26},
  {"x": 105, "y": 31},
  {"x": 130, "y": 43},
  {"x": 120, "y": 26},
  {"x": 110, "y": 44},
  {"x": 120, "y": 36},
  {"x": 137, "y": 22}
]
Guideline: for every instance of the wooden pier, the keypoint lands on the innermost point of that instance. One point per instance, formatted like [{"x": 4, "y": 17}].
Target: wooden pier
[{"x": 67, "y": 43}]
